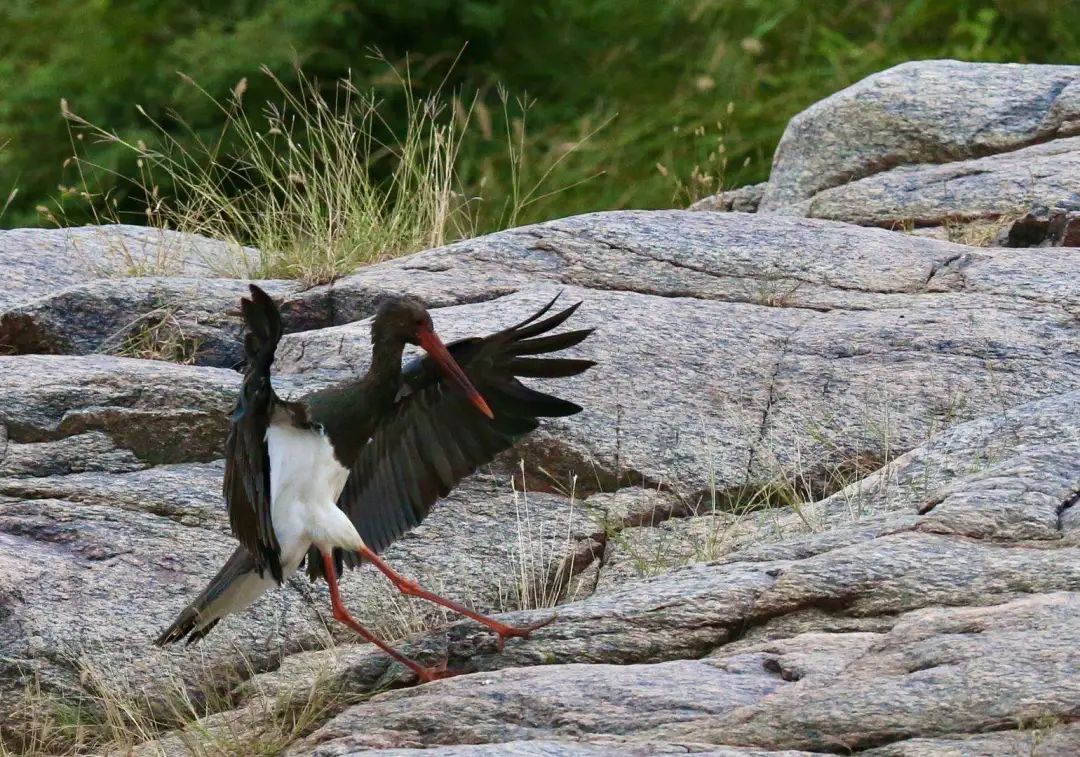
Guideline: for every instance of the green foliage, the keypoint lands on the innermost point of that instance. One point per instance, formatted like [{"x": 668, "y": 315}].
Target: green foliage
[{"x": 659, "y": 73}]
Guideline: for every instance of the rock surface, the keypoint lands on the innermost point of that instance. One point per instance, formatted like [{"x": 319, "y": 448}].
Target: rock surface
[
  {"x": 1003, "y": 186},
  {"x": 40, "y": 261},
  {"x": 823, "y": 497},
  {"x": 853, "y": 639},
  {"x": 962, "y": 522},
  {"x": 160, "y": 413},
  {"x": 852, "y": 643},
  {"x": 761, "y": 334}
]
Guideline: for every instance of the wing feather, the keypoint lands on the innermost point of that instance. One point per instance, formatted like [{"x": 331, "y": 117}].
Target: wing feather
[
  {"x": 550, "y": 343},
  {"x": 434, "y": 437}
]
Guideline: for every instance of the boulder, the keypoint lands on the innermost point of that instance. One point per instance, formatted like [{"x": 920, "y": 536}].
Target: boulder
[
  {"x": 1007, "y": 476},
  {"x": 1039, "y": 738},
  {"x": 541, "y": 748},
  {"x": 981, "y": 154},
  {"x": 159, "y": 412},
  {"x": 1002, "y": 187},
  {"x": 93, "y": 450},
  {"x": 936, "y": 111}
]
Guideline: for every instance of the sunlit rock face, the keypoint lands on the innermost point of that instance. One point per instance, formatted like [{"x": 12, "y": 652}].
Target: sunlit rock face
[{"x": 822, "y": 496}]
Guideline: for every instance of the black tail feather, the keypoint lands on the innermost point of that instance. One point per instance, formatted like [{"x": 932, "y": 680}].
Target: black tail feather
[
  {"x": 192, "y": 623},
  {"x": 529, "y": 401},
  {"x": 263, "y": 321},
  {"x": 547, "y": 324},
  {"x": 539, "y": 327}
]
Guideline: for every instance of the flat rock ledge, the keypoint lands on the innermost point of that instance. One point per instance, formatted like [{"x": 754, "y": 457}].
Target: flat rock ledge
[{"x": 905, "y": 625}]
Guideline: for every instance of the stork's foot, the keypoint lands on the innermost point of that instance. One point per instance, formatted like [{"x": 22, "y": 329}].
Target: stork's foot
[
  {"x": 426, "y": 674},
  {"x": 505, "y": 632},
  {"x": 434, "y": 672},
  {"x": 413, "y": 589}
]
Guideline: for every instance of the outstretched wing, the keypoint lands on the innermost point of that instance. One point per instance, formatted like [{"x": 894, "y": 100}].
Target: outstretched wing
[
  {"x": 435, "y": 436},
  {"x": 247, "y": 462}
]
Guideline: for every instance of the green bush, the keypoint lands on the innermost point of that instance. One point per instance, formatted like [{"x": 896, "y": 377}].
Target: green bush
[{"x": 659, "y": 75}]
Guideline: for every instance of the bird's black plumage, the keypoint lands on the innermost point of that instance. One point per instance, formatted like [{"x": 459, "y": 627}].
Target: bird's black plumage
[{"x": 247, "y": 464}]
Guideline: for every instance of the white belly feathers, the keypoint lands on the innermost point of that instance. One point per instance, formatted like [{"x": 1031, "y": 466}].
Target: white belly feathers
[{"x": 305, "y": 481}]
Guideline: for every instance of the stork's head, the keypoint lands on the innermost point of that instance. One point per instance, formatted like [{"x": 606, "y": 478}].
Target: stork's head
[{"x": 405, "y": 320}]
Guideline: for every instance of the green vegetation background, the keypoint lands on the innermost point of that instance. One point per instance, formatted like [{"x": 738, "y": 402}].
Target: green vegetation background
[{"x": 659, "y": 73}]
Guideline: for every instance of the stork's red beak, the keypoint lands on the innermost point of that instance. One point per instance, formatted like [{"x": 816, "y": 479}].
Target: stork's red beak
[{"x": 434, "y": 346}]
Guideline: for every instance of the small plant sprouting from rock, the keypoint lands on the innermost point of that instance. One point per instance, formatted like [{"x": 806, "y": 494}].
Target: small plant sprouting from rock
[
  {"x": 395, "y": 616},
  {"x": 159, "y": 335},
  {"x": 983, "y": 232},
  {"x": 777, "y": 291},
  {"x": 708, "y": 147},
  {"x": 12, "y": 194},
  {"x": 809, "y": 485},
  {"x": 125, "y": 262},
  {"x": 544, "y": 562}
]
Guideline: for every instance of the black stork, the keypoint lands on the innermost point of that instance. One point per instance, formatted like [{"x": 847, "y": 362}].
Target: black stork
[{"x": 337, "y": 476}]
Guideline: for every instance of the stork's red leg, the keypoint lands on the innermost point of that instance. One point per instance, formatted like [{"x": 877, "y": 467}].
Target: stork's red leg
[
  {"x": 406, "y": 586},
  {"x": 425, "y": 674}
]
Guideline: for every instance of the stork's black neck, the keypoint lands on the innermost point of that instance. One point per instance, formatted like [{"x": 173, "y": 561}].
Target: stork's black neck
[
  {"x": 351, "y": 412},
  {"x": 384, "y": 373}
]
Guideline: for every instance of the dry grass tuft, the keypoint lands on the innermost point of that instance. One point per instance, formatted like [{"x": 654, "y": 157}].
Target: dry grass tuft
[
  {"x": 808, "y": 485},
  {"x": 101, "y": 717},
  {"x": 301, "y": 183},
  {"x": 709, "y": 173},
  {"x": 159, "y": 335},
  {"x": 394, "y": 616},
  {"x": 95, "y": 718},
  {"x": 982, "y": 232},
  {"x": 122, "y": 261},
  {"x": 320, "y": 183},
  {"x": 544, "y": 561}
]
